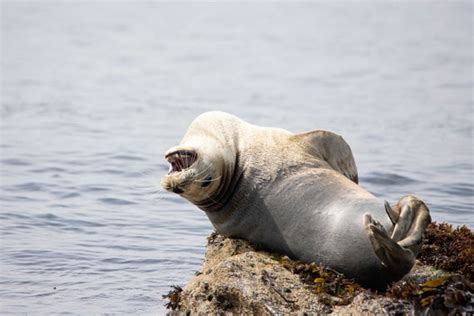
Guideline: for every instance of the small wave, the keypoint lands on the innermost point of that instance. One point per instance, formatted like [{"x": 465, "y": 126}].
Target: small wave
[
  {"x": 110, "y": 171},
  {"x": 136, "y": 174},
  {"x": 115, "y": 201},
  {"x": 125, "y": 247},
  {"x": 44, "y": 294},
  {"x": 134, "y": 262},
  {"x": 48, "y": 170},
  {"x": 140, "y": 298},
  {"x": 82, "y": 223},
  {"x": 70, "y": 195},
  {"x": 15, "y": 162},
  {"x": 18, "y": 198},
  {"x": 50, "y": 219},
  {"x": 30, "y": 186},
  {"x": 456, "y": 167},
  {"x": 89, "y": 188},
  {"x": 48, "y": 216},
  {"x": 383, "y": 178},
  {"x": 9, "y": 215},
  {"x": 20, "y": 227},
  {"x": 127, "y": 157},
  {"x": 47, "y": 258},
  {"x": 459, "y": 189}
]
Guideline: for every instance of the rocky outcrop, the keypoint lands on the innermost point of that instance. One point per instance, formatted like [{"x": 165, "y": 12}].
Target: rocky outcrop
[{"x": 238, "y": 278}]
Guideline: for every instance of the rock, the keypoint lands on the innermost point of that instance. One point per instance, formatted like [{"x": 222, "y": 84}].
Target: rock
[{"x": 237, "y": 278}]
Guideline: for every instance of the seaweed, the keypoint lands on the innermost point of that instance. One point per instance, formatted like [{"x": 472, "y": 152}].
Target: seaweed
[
  {"x": 174, "y": 297},
  {"x": 449, "y": 249},
  {"x": 447, "y": 294},
  {"x": 334, "y": 288}
]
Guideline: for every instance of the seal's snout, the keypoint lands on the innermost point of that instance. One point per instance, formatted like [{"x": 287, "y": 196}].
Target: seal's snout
[{"x": 180, "y": 160}]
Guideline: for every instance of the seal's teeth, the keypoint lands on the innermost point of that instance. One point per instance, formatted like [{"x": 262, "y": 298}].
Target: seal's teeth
[
  {"x": 176, "y": 166},
  {"x": 181, "y": 160}
]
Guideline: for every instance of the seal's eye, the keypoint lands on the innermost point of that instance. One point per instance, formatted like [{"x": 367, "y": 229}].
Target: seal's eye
[{"x": 206, "y": 181}]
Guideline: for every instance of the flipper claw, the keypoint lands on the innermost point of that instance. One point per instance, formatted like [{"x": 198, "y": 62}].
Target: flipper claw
[{"x": 391, "y": 214}]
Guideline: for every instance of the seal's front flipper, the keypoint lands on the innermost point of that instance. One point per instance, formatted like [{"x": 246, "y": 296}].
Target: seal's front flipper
[
  {"x": 395, "y": 258},
  {"x": 330, "y": 148}
]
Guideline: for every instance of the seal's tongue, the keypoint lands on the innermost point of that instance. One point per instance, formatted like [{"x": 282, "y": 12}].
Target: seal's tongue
[{"x": 180, "y": 160}]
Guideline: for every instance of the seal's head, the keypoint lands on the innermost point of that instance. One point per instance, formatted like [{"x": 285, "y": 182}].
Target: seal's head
[
  {"x": 200, "y": 171},
  {"x": 193, "y": 174},
  {"x": 204, "y": 167}
]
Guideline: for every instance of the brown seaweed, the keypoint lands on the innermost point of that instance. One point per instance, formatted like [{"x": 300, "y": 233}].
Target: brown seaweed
[
  {"x": 449, "y": 249},
  {"x": 333, "y": 287},
  {"x": 173, "y": 297},
  {"x": 450, "y": 294}
]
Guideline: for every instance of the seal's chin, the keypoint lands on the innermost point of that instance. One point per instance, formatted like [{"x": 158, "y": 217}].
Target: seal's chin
[{"x": 180, "y": 160}]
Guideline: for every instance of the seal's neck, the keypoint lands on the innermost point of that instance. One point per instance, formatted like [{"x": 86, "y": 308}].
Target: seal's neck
[{"x": 219, "y": 199}]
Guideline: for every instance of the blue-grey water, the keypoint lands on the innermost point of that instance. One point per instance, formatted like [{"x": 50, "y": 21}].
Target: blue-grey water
[{"x": 94, "y": 93}]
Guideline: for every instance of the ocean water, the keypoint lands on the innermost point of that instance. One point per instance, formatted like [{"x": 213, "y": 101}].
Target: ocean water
[{"x": 93, "y": 93}]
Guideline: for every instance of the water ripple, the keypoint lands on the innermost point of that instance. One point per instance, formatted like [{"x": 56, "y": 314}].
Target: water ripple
[
  {"x": 137, "y": 262},
  {"x": 31, "y": 186},
  {"x": 127, "y": 157},
  {"x": 383, "y": 178},
  {"x": 115, "y": 201},
  {"x": 15, "y": 162},
  {"x": 49, "y": 170},
  {"x": 458, "y": 189},
  {"x": 49, "y": 219}
]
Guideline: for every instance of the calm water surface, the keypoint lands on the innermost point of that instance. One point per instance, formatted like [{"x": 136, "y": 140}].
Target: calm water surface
[{"x": 93, "y": 94}]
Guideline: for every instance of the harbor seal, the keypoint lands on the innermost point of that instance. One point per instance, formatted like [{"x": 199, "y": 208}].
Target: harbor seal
[{"x": 295, "y": 194}]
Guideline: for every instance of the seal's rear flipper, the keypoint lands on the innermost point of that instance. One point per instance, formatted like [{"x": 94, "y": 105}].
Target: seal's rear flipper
[
  {"x": 330, "y": 148},
  {"x": 395, "y": 258},
  {"x": 414, "y": 217}
]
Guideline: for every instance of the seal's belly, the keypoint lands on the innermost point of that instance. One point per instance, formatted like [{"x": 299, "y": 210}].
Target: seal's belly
[
  {"x": 319, "y": 217},
  {"x": 314, "y": 216}
]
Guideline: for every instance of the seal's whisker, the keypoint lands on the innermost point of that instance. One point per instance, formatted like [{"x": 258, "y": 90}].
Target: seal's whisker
[
  {"x": 209, "y": 197},
  {"x": 203, "y": 171}
]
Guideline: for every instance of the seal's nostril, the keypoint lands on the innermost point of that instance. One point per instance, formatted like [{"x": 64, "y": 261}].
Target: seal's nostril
[{"x": 177, "y": 190}]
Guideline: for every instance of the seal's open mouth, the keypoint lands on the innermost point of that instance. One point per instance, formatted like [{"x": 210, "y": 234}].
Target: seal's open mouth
[{"x": 180, "y": 160}]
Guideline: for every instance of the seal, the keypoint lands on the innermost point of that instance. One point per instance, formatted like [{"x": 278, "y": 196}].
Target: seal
[{"x": 295, "y": 194}]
